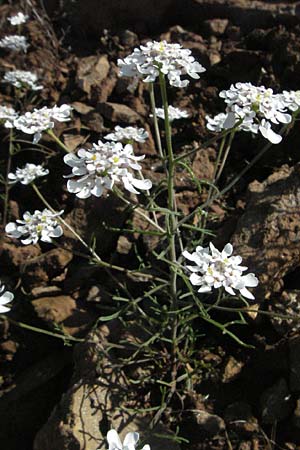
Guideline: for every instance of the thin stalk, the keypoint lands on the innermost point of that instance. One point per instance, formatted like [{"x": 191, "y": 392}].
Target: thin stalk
[
  {"x": 8, "y": 167},
  {"x": 155, "y": 121},
  {"x": 226, "y": 153},
  {"x": 41, "y": 330},
  {"x": 138, "y": 210},
  {"x": 58, "y": 141},
  {"x": 172, "y": 225},
  {"x": 232, "y": 182},
  {"x": 95, "y": 255}
]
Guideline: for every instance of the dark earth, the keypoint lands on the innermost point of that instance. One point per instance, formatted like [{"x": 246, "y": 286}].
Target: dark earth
[{"x": 64, "y": 394}]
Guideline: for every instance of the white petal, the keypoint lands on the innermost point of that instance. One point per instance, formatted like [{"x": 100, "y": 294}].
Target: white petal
[
  {"x": 247, "y": 294},
  {"x": 131, "y": 440},
  {"x": 113, "y": 440},
  {"x": 7, "y": 297}
]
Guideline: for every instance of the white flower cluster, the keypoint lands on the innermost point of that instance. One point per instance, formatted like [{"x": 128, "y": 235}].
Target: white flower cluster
[
  {"x": 291, "y": 99},
  {"x": 8, "y": 116},
  {"x": 27, "y": 174},
  {"x": 256, "y": 108},
  {"x": 18, "y": 19},
  {"x": 101, "y": 167},
  {"x": 41, "y": 225},
  {"x": 174, "y": 113},
  {"x": 148, "y": 61},
  {"x": 5, "y": 298},
  {"x": 14, "y": 42},
  {"x": 42, "y": 120},
  {"x": 215, "y": 269},
  {"x": 130, "y": 441},
  {"x": 22, "y": 78},
  {"x": 127, "y": 134}
]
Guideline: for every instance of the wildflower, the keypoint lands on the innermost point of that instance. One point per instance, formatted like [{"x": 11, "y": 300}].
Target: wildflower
[
  {"x": 28, "y": 174},
  {"x": 41, "y": 225},
  {"x": 14, "y": 42},
  {"x": 215, "y": 269},
  {"x": 18, "y": 19},
  {"x": 174, "y": 113},
  {"x": 99, "y": 168},
  {"x": 130, "y": 441},
  {"x": 5, "y": 297},
  {"x": 42, "y": 120},
  {"x": 22, "y": 78},
  {"x": 254, "y": 109},
  {"x": 7, "y": 115},
  {"x": 148, "y": 61},
  {"x": 291, "y": 100},
  {"x": 127, "y": 134}
]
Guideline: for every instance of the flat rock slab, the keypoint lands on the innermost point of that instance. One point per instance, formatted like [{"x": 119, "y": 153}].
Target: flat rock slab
[{"x": 268, "y": 233}]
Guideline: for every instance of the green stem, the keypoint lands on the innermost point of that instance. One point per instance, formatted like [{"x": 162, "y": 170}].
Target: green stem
[
  {"x": 6, "y": 195},
  {"x": 155, "y": 121},
  {"x": 233, "y": 181},
  {"x": 40, "y": 330},
  {"x": 58, "y": 141},
  {"x": 95, "y": 255},
  {"x": 226, "y": 153},
  {"x": 171, "y": 225}
]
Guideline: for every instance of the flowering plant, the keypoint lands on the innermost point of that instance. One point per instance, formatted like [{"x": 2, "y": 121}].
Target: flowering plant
[
  {"x": 18, "y": 18},
  {"x": 22, "y": 78},
  {"x": 98, "y": 169},
  {"x": 155, "y": 58},
  {"x": 14, "y": 42},
  {"x": 27, "y": 174},
  {"x": 5, "y": 298},
  {"x": 41, "y": 225}
]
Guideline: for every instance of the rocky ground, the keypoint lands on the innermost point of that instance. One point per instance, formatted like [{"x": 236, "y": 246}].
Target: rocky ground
[{"x": 59, "y": 395}]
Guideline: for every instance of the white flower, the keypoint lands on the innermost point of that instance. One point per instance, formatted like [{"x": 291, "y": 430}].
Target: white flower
[
  {"x": 61, "y": 113},
  {"x": 41, "y": 225},
  {"x": 5, "y": 297},
  {"x": 216, "y": 123},
  {"x": 155, "y": 57},
  {"x": 18, "y": 19},
  {"x": 174, "y": 113},
  {"x": 42, "y": 120},
  {"x": 130, "y": 441},
  {"x": 28, "y": 174},
  {"x": 254, "y": 109},
  {"x": 291, "y": 99},
  {"x": 99, "y": 168},
  {"x": 14, "y": 42},
  {"x": 22, "y": 78},
  {"x": 7, "y": 115},
  {"x": 127, "y": 134},
  {"x": 215, "y": 269}
]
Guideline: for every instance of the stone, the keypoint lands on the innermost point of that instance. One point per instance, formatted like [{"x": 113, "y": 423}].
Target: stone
[
  {"x": 119, "y": 113},
  {"x": 232, "y": 370},
  {"x": 92, "y": 71},
  {"x": 46, "y": 266},
  {"x": 276, "y": 403},
  {"x": 63, "y": 310},
  {"x": 208, "y": 424},
  {"x": 215, "y": 27},
  {"x": 294, "y": 363},
  {"x": 239, "y": 418},
  {"x": 271, "y": 216}
]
